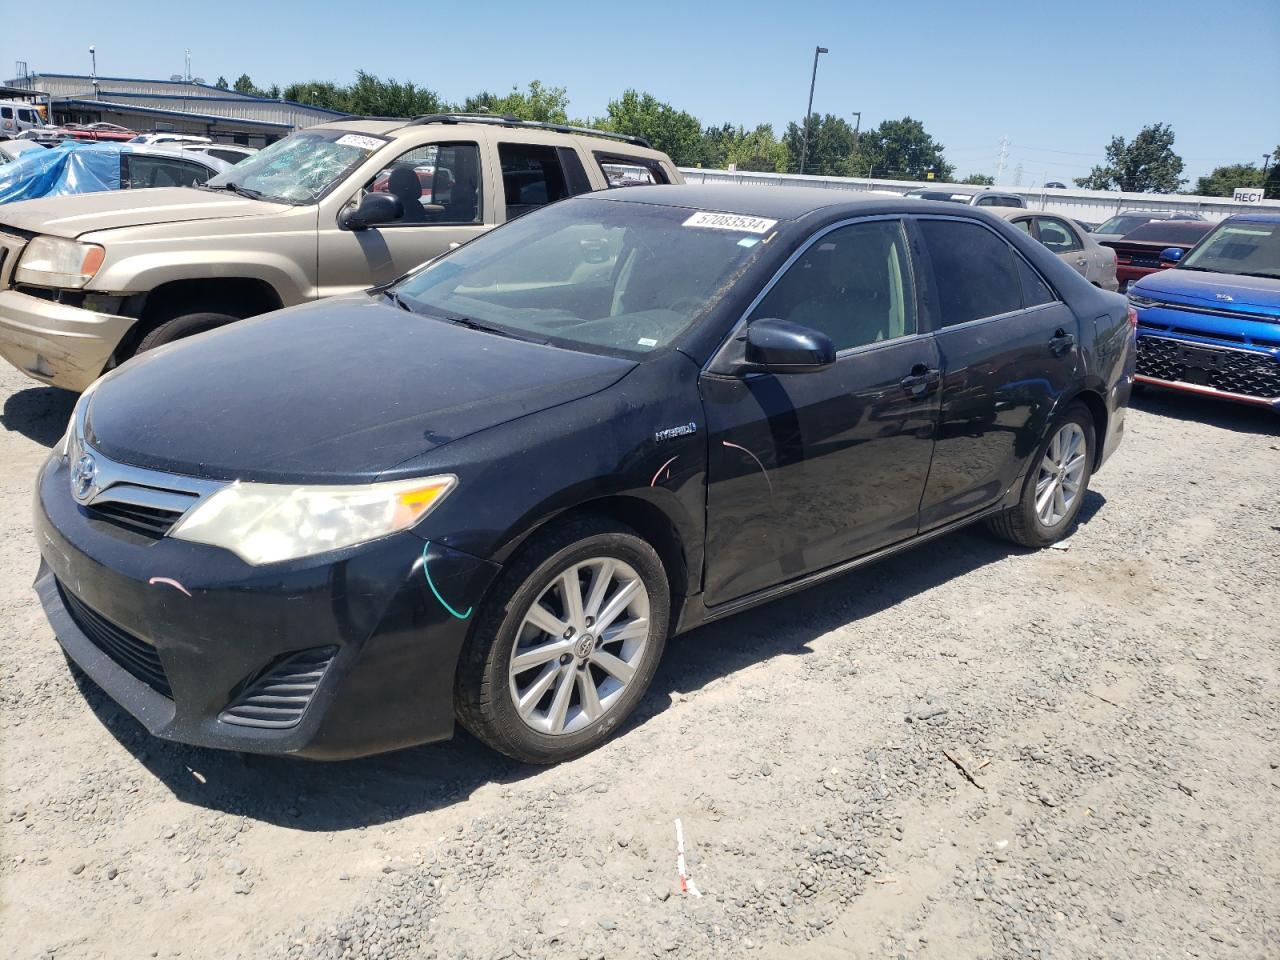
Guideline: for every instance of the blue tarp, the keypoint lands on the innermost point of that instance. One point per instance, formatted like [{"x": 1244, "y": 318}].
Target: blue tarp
[{"x": 69, "y": 167}]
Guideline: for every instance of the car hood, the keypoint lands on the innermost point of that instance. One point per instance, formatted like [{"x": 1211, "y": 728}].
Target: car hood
[
  {"x": 1196, "y": 288},
  {"x": 73, "y": 216},
  {"x": 336, "y": 391}
]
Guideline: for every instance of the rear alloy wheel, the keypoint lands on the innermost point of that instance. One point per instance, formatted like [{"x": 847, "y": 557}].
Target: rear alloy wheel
[
  {"x": 1055, "y": 485},
  {"x": 566, "y": 649}
]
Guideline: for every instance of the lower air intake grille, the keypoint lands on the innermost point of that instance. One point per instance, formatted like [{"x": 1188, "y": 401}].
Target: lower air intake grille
[
  {"x": 134, "y": 655},
  {"x": 1241, "y": 372},
  {"x": 152, "y": 522},
  {"x": 277, "y": 695}
]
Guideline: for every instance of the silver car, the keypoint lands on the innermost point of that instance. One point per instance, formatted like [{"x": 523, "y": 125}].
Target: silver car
[{"x": 1071, "y": 242}]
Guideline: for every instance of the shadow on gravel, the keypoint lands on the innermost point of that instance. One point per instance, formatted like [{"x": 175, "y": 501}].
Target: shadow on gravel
[
  {"x": 359, "y": 793},
  {"x": 1238, "y": 417},
  {"x": 39, "y": 414}
]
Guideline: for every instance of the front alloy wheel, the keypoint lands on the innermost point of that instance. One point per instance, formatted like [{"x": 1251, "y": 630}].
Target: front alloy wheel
[{"x": 567, "y": 644}]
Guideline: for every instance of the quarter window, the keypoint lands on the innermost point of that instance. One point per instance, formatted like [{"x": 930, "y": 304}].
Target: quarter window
[
  {"x": 854, "y": 284},
  {"x": 1034, "y": 290},
  {"x": 439, "y": 183},
  {"x": 1057, "y": 236},
  {"x": 973, "y": 270},
  {"x": 624, "y": 171}
]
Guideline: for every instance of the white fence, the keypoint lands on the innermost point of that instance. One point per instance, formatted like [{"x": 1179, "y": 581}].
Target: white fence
[{"x": 1092, "y": 206}]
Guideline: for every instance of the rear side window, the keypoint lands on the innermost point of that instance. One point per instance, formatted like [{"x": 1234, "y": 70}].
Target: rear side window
[
  {"x": 6, "y": 113},
  {"x": 1057, "y": 236},
  {"x": 973, "y": 270},
  {"x": 532, "y": 177},
  {"x": 138, "y": 172}
]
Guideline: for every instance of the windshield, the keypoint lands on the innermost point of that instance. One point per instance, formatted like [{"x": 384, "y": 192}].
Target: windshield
[
  {"x": 602, "y": 275},
  {"x": 937, "y": 195},
  {"x": 1242, "y": 247},
  {"x": 1168, "y": 231},
  {"x": 300, "y": 168},
  {"x": 1122, "y": 224}
]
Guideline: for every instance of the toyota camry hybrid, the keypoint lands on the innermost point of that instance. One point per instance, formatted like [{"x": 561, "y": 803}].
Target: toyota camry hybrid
[{"x": 489, "y": 492}]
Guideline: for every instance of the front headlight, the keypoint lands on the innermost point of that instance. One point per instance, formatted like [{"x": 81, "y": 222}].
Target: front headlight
[
  {"x": 267, "y": 522},
  {"x": 54, "y": 262}
]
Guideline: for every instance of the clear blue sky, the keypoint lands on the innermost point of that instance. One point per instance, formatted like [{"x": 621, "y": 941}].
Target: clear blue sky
[{"x": 1057, "y": 78}]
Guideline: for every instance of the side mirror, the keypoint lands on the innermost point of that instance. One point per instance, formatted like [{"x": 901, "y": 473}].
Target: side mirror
[
  {"x": 374, "y": 209},
  {"x": 1170, "y": 255},
  {"x": 780, "y": 346}
]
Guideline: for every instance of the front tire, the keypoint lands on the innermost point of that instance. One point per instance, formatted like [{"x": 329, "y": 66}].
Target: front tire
[
  {"x": 184, "y": 325},
  {"x": 568, "y": 644},
  {"x": 1056, "y": 483}
]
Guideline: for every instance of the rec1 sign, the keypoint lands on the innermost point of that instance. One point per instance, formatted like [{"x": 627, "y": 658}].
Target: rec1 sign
[{"x": 1247, "y": 195}]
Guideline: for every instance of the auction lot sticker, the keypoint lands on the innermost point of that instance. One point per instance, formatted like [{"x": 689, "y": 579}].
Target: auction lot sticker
[
  {"x": 355, "y": 140},
  {"x": 730, "y": 221}
]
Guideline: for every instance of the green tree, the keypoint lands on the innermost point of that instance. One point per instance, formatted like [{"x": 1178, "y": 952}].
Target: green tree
[
  {"x": 244, "y": 85},
  {"x": 1223, "y": 180},
  {"x": 319, "y": 93},
  {"x": 830, "y": 149},
  {"x": 1271, "y": 189},
  {"x": 901, "y": 150},
  {"x": 677, "y": 133},
  {"x": 373, "y": 97},
  {"x": 758, "y": 149},
  {"x": 1147, "y": 165},
  {"x": 979, "y": 180},
  {"x": 222, "y": 83},
  {"x": 539, "y": 103}
]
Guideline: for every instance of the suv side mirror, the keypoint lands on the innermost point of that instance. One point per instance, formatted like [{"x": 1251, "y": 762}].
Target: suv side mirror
[
  {"x": 1170, "y": 255},
  {"x": 780, "y": 346},
  {"x": 374, "y": 209}
]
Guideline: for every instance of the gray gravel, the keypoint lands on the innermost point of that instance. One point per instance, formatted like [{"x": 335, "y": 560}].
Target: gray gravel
[{"x": 965, "y": 751}]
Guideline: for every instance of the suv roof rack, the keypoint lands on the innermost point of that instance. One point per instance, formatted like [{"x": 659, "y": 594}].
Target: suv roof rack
[{"x": 507, "y": 120}]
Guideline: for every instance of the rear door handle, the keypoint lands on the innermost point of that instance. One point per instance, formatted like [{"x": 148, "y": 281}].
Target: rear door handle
[
  {"x": 1061, "y": 342},
  {"x": 921, "y": 379}
]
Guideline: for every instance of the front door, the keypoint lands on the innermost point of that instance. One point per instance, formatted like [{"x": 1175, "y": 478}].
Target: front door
[
  {"x": 441, "y": 188},
  {"x": 808, "y": 470},
  {"x": 1008, "y": 350}
]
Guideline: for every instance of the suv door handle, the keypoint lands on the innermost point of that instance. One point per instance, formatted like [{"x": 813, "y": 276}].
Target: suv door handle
[
  {"x": 920, "y": 380},
  {"x": 1061, "y": 342}
]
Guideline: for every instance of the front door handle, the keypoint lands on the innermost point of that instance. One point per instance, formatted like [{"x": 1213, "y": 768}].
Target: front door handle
[
  {"x": 1061, "y": 342},
  {"x": 921, "y": 379},
  {"x": 1083, "y": 261}
]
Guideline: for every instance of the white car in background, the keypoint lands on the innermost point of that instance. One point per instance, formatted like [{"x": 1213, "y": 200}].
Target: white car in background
[{"x": 1074, "y": 245}]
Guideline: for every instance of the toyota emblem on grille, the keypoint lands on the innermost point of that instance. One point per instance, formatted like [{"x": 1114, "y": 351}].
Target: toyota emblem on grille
[{"x": 84, "y": 476}]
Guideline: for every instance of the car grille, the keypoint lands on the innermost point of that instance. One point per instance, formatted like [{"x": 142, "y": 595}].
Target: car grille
[
  {"x": 278, "y": 695},
  {"x": 1242, "y": 372},
  {"x": 148, "y": 511},
  {"x": 132, "y": 653}
]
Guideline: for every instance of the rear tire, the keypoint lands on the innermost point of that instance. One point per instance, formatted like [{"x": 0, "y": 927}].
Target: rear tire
[
  {"x": 183, "y": 325},
  {"x": 570, "y": 689},
  {"x": 1056, "y": 483}
]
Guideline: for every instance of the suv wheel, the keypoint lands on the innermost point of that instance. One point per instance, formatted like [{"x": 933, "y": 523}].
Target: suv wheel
[
  {"x": 568, "y": 644},
  {"x": 183, "y": 325},
  {"x": 1055, "y": 486}
]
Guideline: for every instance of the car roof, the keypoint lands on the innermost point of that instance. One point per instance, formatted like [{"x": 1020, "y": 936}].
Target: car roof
[
  {"x": 777, "y": 203},
  {"x": 1258, "y": 217}
]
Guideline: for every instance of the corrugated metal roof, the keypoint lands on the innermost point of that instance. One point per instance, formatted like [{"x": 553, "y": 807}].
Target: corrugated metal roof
[{"x": 107, "y": 105}]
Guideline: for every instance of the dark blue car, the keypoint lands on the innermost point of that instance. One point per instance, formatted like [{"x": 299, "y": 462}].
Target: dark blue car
[{"x": 1211, "y": 325}]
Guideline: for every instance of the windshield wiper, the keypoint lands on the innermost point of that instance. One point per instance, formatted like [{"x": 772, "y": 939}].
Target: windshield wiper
[
  {"x": 1264, "y": 276},
  {"x": 398, "y": 300},
  {"x": 471, "y": 324},
  {"x": 236, "y": 188}
]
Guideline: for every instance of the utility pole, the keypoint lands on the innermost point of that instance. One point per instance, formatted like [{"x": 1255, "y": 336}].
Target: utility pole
[
  {"x": 188, "y": 77},
  {"x": 804, "y": 142},
  {"x": 1004, "y": 156},
  {"x": 857, "y": 114},
  {"x": 1266, "y": 162},
  {"x": 93, "y": 74}
]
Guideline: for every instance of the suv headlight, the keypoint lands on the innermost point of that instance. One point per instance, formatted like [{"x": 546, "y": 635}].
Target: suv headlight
[
  {"x": 268, "y": 522},
  {"x": 54, "y": 262}
]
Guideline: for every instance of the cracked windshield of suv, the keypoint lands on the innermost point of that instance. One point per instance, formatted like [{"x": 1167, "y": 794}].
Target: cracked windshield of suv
[{"x": 300, "y": 168}]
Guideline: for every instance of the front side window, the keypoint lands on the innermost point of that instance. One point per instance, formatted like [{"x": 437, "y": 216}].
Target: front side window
[
  {"x": 26, "y": 116},
  {"x": 138, "y": 172},
  {"x": 1057, "y": 236},
  {"x": 602, "y": 275},
  {"x": 302, "y": 167},
  {"x": 973, "y": 270},
  {"x": 439, "y": 183},
  {"x": 1243, "y": 247},
  {"x": 532, "y": 177},
  {"x": 853, "y": 284}
]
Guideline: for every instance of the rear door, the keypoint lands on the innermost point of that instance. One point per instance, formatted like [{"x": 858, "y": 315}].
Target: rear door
[
  {"x": 808, "y": 470},
  {"x": 1060, "y": 237},
  {"x": 446, "y": 201},
  {"x": 1008, "y": 351}
]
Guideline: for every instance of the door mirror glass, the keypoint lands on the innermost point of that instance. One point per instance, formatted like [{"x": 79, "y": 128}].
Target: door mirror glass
[
  {"x": 780, "y": 346},
  {"x": 374, "y": 208},
  {"x": 1171, "y": 255}
]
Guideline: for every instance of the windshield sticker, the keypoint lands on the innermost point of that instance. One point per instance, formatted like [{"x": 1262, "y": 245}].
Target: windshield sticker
[
  {"x": 355, "y": 140},
  {"x": 730, "y": 221},
  {"x": 647, "y": 342},
  {"x": 748, "y": 242}
]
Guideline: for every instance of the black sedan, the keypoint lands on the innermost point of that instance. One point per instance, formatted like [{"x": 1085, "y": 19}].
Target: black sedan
[{"x": 492, "y": 490}]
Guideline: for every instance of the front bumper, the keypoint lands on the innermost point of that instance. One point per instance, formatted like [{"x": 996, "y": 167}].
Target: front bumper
[
  {"x": 57, "y": 344},
  {"x": 211, "y": 624},
  {"x": 1197, "y": 364}
]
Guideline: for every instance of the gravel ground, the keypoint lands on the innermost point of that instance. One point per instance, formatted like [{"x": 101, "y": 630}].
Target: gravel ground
[{"x": 965, "y": 751}]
